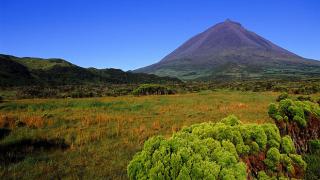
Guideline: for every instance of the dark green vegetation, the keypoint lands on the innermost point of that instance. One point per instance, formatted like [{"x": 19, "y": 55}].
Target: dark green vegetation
[
  {"x": 16, "y": 71},
  {"x": 291, "y": 86},
  {"x": 232, "y": 150},
  {"x": 303, "y": 87},
  {"x": 227, "y": 52},
  {"x": 313, "y": 159},
  {"x": 152, "y": 89}
]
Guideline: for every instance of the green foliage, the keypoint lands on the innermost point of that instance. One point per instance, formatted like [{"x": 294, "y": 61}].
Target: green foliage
[
  {"x": 152, "y": 89},
  {"x": 274, "y": 113},
  {"x": 304, "y": 98},
  {"x": 312, "y": 159},
  {"x": 286, "y": 160},
  {"x": 282, "y": 97},
  {"x": 231, "y": 120},
  {"x": 254, "y": 147},
  {"x": 314, "y": 146},
  {"x": 263, "y": 176},
  {"x": 297, "y": 111},
  {"x": 209, "y": 151},
  {"x": 273, "y": 135},
  {"x": 297, "y": 159},
  {"x": 1, "y": 99},
  {"x": 273, "y": 158},
  {"x": 287, "y": 145}
]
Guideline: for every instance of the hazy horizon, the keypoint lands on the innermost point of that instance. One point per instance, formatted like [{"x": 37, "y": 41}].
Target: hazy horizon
[{"x": 129, "y": 35}]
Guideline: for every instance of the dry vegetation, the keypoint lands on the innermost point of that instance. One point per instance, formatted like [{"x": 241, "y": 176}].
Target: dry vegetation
[{"x": 100, "y": 135}]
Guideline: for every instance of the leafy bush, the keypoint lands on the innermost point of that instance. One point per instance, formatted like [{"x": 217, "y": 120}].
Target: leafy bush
[
  {"x": 273, "y": 135},
  {"x": 304, "y": 98},
  {"x": 263, "y": 176},
  {"x": 297, "y": 111},
  {"x": 1, "y": 99},
  {"x": 297, "y": 159},
  {"x": 152, "y": 89},
  {"x": 210, "y": 151},
  {"x": 231, "y": 120},
  {"x": 287, "y": 145},
  {"x": 314, "y": 146},
  {"x": 282, "y": 97},
  {"x": 273, "y": 158},
  {"x": 274, "y": 113}
]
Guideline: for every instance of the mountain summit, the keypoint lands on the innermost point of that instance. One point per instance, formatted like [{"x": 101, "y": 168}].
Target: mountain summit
[{"x": 229, "y": 51}]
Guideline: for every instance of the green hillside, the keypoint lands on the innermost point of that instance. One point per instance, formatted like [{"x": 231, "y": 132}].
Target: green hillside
[{"x": 28, "y": 71}]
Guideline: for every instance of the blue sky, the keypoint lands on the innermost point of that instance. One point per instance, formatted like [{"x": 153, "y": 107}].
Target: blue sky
[{"x": 132, "y": 34}]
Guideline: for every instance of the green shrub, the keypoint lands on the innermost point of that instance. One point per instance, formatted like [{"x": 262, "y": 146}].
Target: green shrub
[
  {"x": 273, "y": 158},
  {"x": 287, "y": 162},
  {"x": 263, "y": 176},
  {"x": 304, "y": 98},
  {"x": 209, "y": 151},
  {"x": 273, "y": 135},
  {"x": 152, "y": 89},
  {"x": 1, "y": 99},
  {"x": 274, "y": 113},
  {"x": 314, "y": 146},
  {"x": 297, "y": 111},
  {"x": 254, "y": 147},
  {"x": 282, "y": 97},
  {"x": 297, "y": 159},
  {"x": 231, "y": 120},
  {"x": 287, "y": 145},
  {"x": 259, "y": 136}
]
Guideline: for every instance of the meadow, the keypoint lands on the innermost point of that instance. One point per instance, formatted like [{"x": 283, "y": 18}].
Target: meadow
[{"x": 97, "y": 137}]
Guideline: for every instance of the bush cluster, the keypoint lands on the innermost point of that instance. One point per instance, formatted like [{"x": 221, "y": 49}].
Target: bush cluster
[
  {"x": 297, "y": 111},
  {"x": 282, "y": 97},
  {"x": 152, "y": 89},
  {"x": 212, "y": 151},
  {"x": 304, "y": 98}
]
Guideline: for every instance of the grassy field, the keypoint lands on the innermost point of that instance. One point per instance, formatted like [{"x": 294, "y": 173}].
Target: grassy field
[{"x": 97, "y": 137}]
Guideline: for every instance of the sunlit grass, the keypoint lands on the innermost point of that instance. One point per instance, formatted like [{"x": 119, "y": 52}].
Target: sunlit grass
[{"x": 104, "y": 133}]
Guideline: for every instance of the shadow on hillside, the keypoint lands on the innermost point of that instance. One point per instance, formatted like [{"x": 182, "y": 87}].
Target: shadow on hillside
[
  {"x": 17, "y": 151},
  {"x": 4, "y": 132}
]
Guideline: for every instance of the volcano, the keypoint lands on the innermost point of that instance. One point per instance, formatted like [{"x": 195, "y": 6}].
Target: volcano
[{"x": 228, "y": 51}]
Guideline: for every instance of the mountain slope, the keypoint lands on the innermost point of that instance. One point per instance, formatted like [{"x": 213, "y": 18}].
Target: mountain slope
[
  {"x": 15, "y": 71},
  {"x": 229, "y": 51}
]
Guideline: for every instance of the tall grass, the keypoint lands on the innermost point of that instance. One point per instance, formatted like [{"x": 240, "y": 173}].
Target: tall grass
[{"x": 104, "y": 133}]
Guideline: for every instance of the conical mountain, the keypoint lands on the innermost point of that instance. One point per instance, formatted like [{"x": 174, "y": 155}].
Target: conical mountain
[{"x": 229, "y": 51}]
